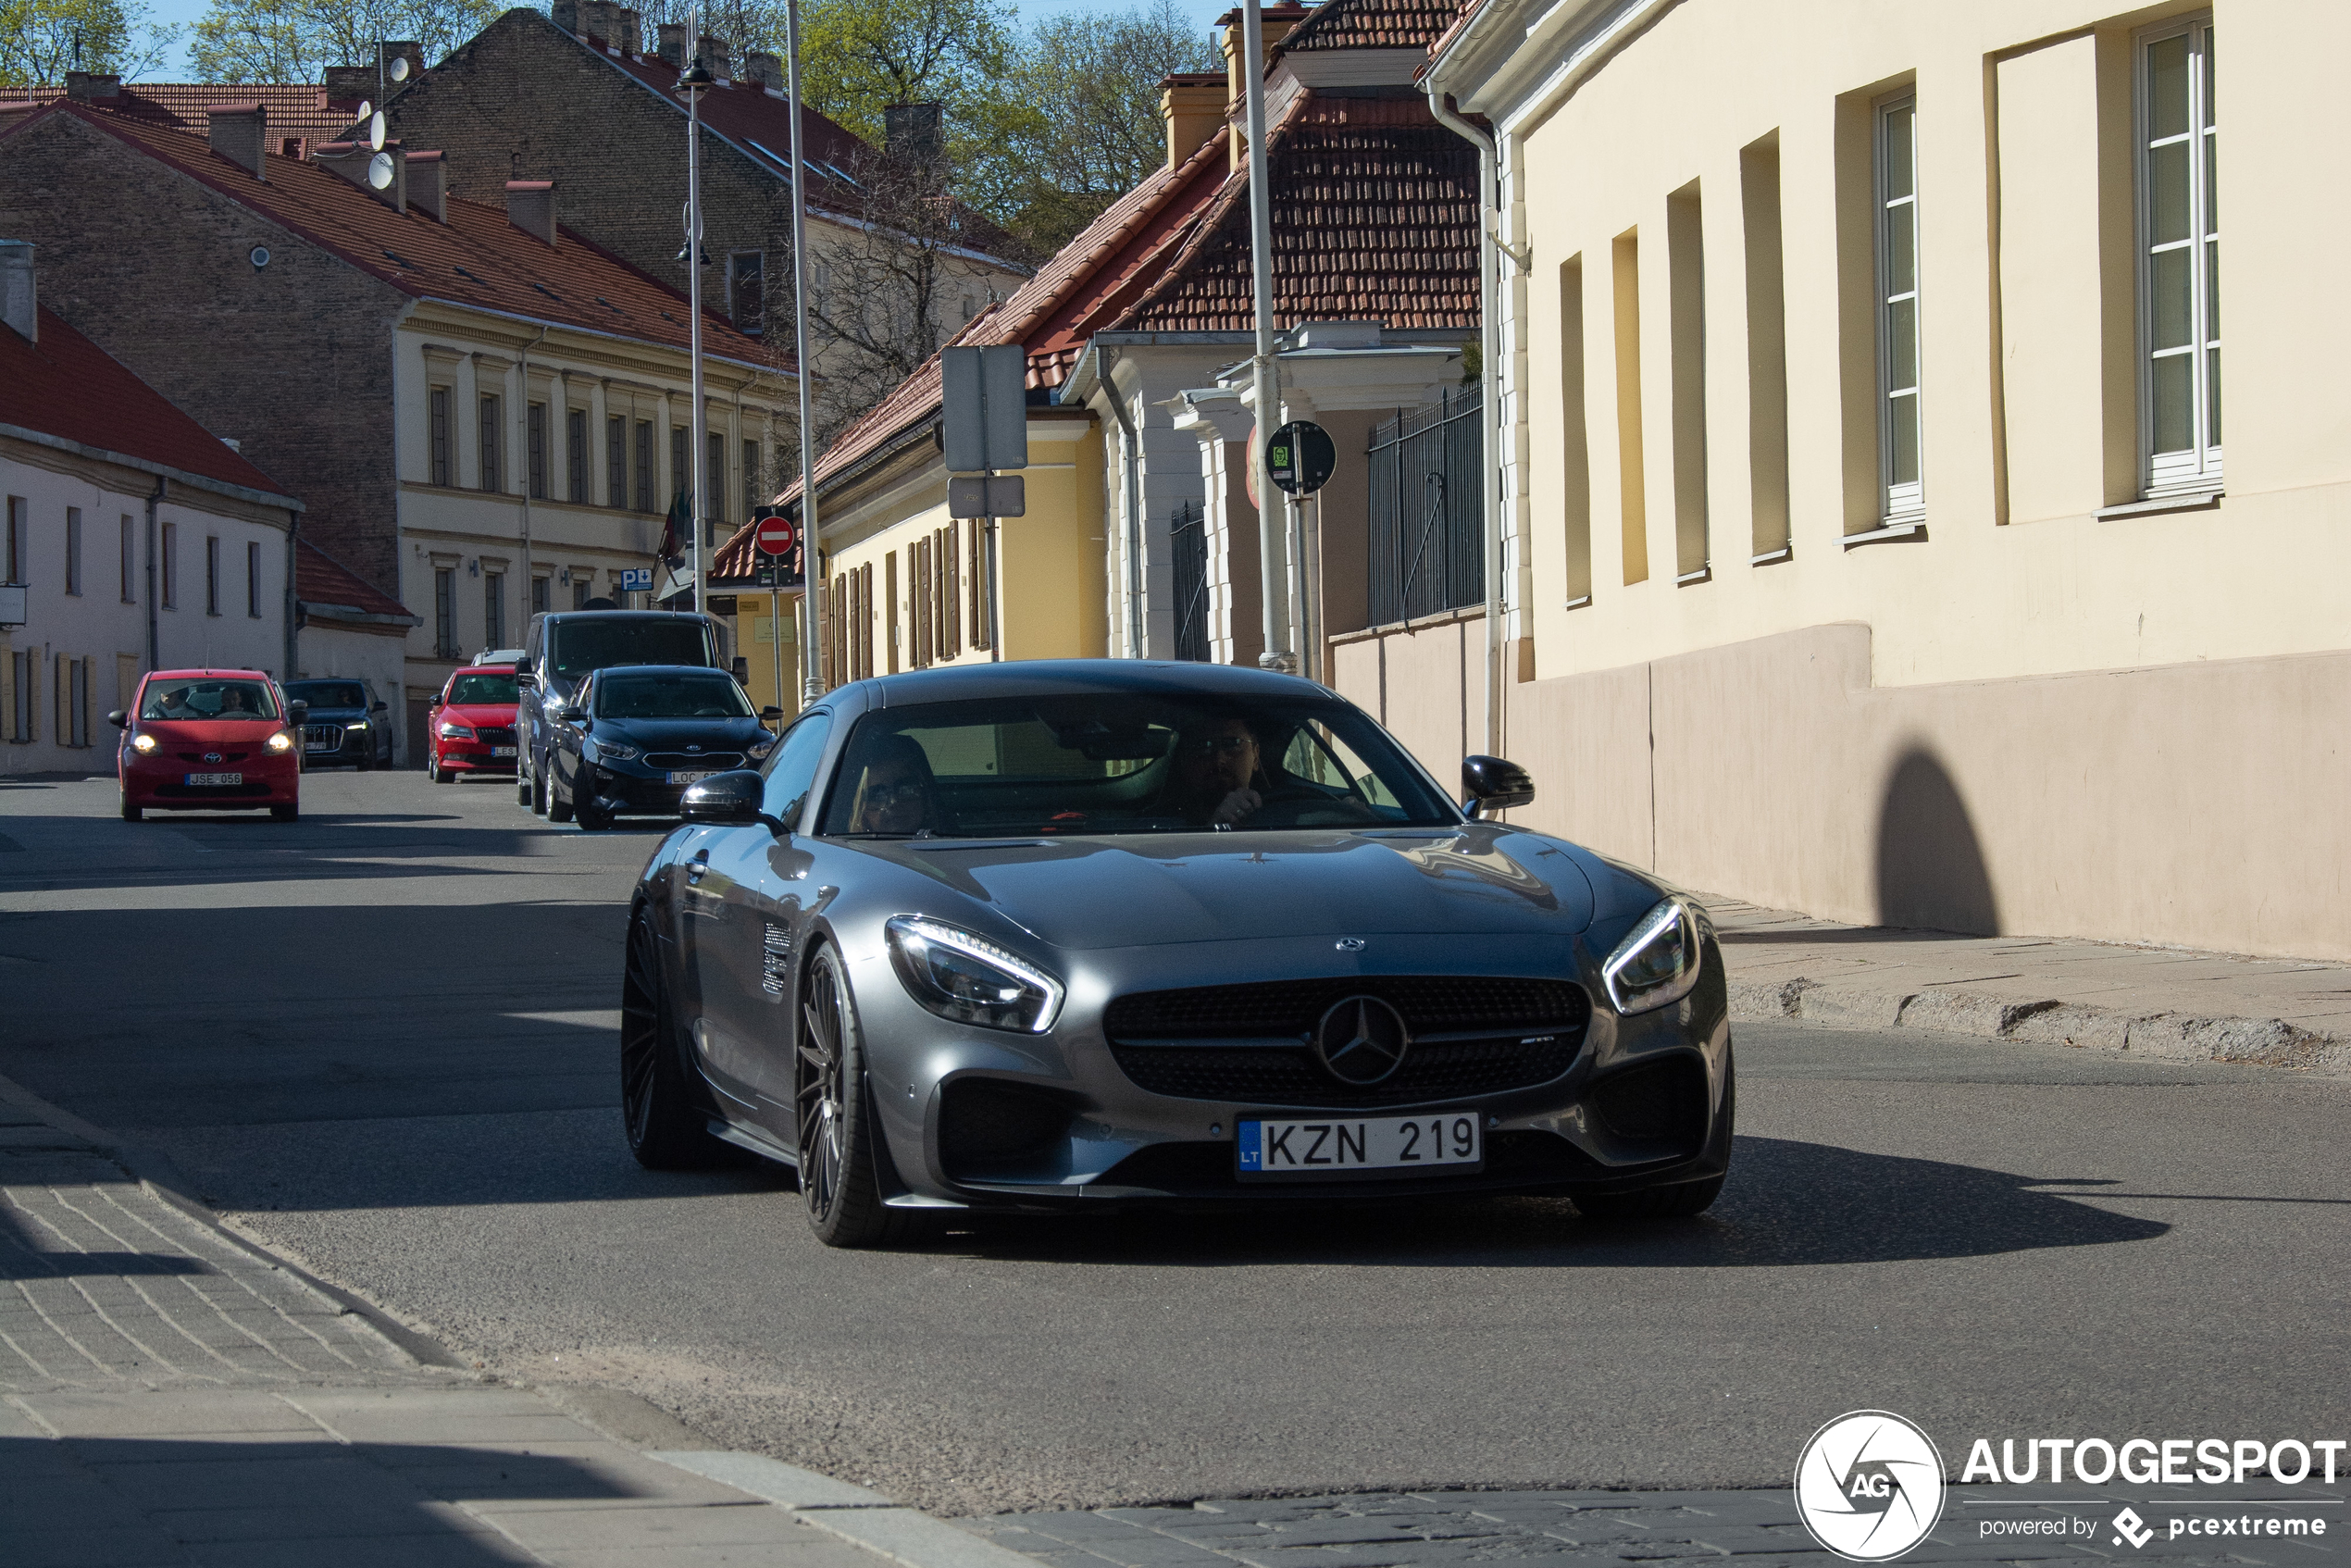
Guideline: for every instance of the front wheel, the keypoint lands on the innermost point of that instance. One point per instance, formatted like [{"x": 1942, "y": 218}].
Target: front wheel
[
  {"x": 558, "y": 802},
  {"x": 132, "y": 813},
  {"x": 594, "y": 818},
  {"x": 286, "y": 812},
  {"x": 522, "y": 785},
  {"x": 1683, "y": 1200},
  {"x": 667, "y": 1130},
  {"x": 837, "y": 1137}
]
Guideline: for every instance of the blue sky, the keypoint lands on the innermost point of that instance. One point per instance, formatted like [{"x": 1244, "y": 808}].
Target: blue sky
[{"x": 180, "y": 13}]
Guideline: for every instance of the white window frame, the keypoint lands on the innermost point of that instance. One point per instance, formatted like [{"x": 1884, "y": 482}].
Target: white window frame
[
  {"x": 2196, "y": 469},
  {"x": 1906, "y": 502}
]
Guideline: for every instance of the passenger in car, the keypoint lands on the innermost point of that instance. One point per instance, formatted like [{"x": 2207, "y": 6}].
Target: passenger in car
[{"x": 897, "y": 792}]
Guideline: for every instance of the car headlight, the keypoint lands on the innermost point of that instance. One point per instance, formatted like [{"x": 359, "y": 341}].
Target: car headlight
[
  {"x": 1657, "y": 962},
  {"x": 971, "y": 980},
  {"x": 361, "y": 725},
  {"x": 450, "y": 730},
  {"x": 143, "y": 744},
  {"x": 281, "y": 741},
  {"x": 611, "y": 750}
]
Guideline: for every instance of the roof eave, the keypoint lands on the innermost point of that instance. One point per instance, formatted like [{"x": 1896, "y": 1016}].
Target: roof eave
[{"x": 149, "y": 465}]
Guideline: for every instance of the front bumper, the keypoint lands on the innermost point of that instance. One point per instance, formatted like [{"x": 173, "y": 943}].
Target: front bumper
[
  {"x": 983, "y": 1119},
  {"x": 268, "y": 782},
  {"x": 472, "y": 756}
]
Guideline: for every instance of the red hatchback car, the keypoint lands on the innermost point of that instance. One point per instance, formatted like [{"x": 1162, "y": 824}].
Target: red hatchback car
[
  {"x": 210, "y": 739},
  {"x": 472, "y": 726}
]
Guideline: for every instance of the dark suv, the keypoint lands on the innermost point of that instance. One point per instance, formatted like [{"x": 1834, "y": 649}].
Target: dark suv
[
  {"x": 347, "y": 726},
  {"x": 565, "y": 646}
]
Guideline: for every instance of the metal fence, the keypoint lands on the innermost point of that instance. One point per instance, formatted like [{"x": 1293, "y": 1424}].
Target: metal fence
[
  {"x": 1426, "y": 546},
  {"x": 1189, "y": 530}
]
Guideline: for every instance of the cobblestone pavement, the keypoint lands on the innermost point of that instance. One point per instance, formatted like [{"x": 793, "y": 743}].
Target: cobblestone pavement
[{"x": 1755, "y": 1529}]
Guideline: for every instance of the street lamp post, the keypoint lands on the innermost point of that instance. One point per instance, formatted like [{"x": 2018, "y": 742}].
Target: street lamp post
[
  {"x": 694, "y": 83},
  {"x": 1273, "y": 538},
  {"x": 812, "y": 680}
]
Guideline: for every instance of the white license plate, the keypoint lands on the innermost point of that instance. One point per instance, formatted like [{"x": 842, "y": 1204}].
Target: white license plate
[
  {"x": 199, "y": 779},
  {"x": 324, "y": 746},
  {"x": 691, "y": 777},
  {"x": 502, "y": 750},
  {"x": 1337, "y": 1145}
]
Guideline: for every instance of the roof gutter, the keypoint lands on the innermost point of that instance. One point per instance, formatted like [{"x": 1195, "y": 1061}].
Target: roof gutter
[{"x": 147, "y": 466}]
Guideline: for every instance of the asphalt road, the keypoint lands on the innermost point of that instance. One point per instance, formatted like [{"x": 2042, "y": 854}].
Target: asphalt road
[{"x": 381, "y": 1039}]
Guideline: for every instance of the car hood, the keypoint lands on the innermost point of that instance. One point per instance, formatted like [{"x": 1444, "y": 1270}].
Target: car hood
[
  {"x": 1479, "y": 878},
  {"x": 674, "y": 734},
  {"x": 334, "y": 716},
  {"x": 209, "y": 731},
  {"x": 478, "y": 713}
]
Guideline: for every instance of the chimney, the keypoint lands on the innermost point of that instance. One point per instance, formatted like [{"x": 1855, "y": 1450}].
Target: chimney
[
  {"x": 349, "y": 86},
  {"x": 1192, "y": 103},
  {"x": 429, "y": 184},
  {"x": 624, "y": 30},
  {"x": 17, "y": 297},
  {"x": 240, "y": 132},
  {"x": 565, "y": 14},
  {"x": 714, "y": 58},
  {"x": 92, "y": 87},
  {"x": 391, "y": 51},
  {"x": 353, "y": 159},
  {"x": 596, "y": 20},
  {"x": 672, "y": 49},
  {"x": 764, "y": 69},
  {"x": 910, "y": 132},
  {"x": 531, "y": 206}
]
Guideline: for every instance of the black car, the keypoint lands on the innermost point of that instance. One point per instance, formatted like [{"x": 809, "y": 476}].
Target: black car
[
  {"x": 1096, "y": 933},
  {"x": 348, "y": 725},
  {"x": 632, "y": 738},
  {"x": 562, "y": 648}
]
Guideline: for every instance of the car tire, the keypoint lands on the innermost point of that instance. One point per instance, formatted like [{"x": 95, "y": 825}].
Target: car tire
[
  {"x": 522, "y": 785},
  {"x": 592, "y": 817},
  {"x": 286, "y": 813},
  {"x": 840, "y": 1180},
  {"x": 539, "y": 802},
  {"x": 367, "y": 763},
  {"x": 558, "y": 804},
  {"x": 667, "y": 1129},
  {"x": 1683, "y": 1199},
  {"x": 132, "y": 813}
]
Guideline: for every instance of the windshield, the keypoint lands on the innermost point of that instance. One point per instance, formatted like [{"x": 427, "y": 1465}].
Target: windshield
[
  {"x": 582, "y": 646},
  {"x": 327, "y": 693},
  {"x": 671, "y": 695},
  {"x": 209, "y": 699},
  {"x": 1123, "y": 763},
  {"x": 490, "y": 690}
]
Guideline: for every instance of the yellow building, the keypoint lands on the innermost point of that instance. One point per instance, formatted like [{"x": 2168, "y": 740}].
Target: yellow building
[{"x": 1869, "y": 548}]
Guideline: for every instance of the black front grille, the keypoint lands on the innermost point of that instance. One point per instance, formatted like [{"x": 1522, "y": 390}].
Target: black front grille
[
  {"x": 327, "y": 736},
  {"x": 210, "y": 791},
  {"x": 715, "y": 761},
  {"x": 1510, "y": 1034},
  {"x": 215, "y": 759},
  {"x": 489, "y": 736}
]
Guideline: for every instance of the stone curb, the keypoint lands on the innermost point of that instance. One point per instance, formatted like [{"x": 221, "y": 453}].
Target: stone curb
[
  {"x": 856, "y": 1514},
  {"x": 2177, "y": 1037}
]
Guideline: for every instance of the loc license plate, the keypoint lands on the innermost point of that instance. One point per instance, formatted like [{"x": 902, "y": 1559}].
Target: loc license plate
[
  {"x": 1334, "y": 1146},
  {"x": 689, "y": 777},
  {"x": 199, "y": 779},
  {"x": 502, "y": 750}
]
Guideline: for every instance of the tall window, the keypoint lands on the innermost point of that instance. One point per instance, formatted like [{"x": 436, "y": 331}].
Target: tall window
[
  {"x": 444, "y": 612},
  {"x": 1897, "y": 274},
  {"x": 493, "y": 609},
  {"x": 714, "y": 477},
  {"x": 23, "y": 675},
  {"x": 535, "y": 433},
  {"x": 212, "y": 574},
  {"x": 644, "y": 465},
  {"x": 12, "y": 569},
  {"x": 129, "y": 560},
  {"x": 490, "y": 443},
  {"x": 576, "y": 456},
  {"x": 171, "y": 566},
  {"x": 681, "y": 477},
  {"x": 580, "y": 589},
  {"x": 439, "y": 424},
  {"x": 253, "y": 579},
  {"x": 616, "y": 462},
  {"x": 750, "y": 479},
  {"x": 73, "y": 551},
  {"x": 541, "y": 588},
  {"x": 747, "y": 288},
  {"x": 2180, "y": 226}
]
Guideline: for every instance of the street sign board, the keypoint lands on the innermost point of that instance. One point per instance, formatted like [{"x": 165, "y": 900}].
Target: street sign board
[
  {"x": 636, "y": 579},
  {"x": 973, "y": 495},
  {"x": 1301, "y": 457},
  {"x": 984, "y": 409},
  {"x": 775, "y": 536}
]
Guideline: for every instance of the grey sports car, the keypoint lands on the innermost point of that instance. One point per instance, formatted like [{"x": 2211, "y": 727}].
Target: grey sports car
[{"x": 1056, "y": 934}]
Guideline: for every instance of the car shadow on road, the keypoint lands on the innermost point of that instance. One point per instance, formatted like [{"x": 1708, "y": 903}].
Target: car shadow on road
[{"x": 1787, "y": 1204}]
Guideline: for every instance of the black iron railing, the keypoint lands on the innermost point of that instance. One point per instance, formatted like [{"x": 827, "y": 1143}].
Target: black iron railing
[{"x": 1426, "y": 547}]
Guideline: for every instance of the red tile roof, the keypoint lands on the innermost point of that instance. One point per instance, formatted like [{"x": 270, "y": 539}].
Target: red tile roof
[
  {"x": 477, "y": 258},
  {"x": 69, "y": 387},
  {"x": 295, "y": 109},
  {"x": 1372, "y": 24},
  {"x": 323, "y": 582}
]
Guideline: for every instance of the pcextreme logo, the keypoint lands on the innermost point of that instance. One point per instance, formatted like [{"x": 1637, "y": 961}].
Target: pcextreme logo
[{"x": 1870, "y": 1486}]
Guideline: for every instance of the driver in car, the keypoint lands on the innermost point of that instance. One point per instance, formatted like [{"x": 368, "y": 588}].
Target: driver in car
[{"x": 1218, "y": 781}]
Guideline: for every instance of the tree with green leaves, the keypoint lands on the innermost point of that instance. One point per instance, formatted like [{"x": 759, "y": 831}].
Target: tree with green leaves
[
  {"x": 297, "y": 40},
  {"x": 859, "y": 57},
  {"x": 41, "y": 39}
]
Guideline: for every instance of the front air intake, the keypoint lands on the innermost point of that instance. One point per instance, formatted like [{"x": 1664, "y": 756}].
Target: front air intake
[{"x": 1661, "y": 1101}]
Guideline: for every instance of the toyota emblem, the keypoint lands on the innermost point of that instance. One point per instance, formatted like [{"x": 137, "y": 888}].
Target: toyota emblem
[
  {"x": 212, "y": 757},
  {"x": 1362, "y": 1041}
]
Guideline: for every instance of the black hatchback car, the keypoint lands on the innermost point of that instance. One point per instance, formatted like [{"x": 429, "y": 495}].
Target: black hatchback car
[
  {"x": 348, "y": 725},
  {"x": 633, "y": 737},
  {"x": 564, "y": 647}
]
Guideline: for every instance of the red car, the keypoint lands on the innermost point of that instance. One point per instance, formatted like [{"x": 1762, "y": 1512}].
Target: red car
[
  {"x": 210, "y": 739},
  {"x": 472, "y": 725}
]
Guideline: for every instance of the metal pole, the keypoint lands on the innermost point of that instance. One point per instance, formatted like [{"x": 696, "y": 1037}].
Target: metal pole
[
  {"x": 995, "y": 621},
  {"x": 1272, "y": 541},
  {"x": 698, "y": 458},
  {"x": 812, "y": 679}
]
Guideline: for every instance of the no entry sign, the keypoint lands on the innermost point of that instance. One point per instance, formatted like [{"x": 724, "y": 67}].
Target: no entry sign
[{"x": 776, "y": 536}]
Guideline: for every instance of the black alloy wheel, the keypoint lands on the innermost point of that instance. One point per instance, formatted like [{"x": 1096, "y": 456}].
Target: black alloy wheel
[
  {"x": 592, "y": 817},
  {"x": 836, "y": 1133},
  {"x": 1671, "y": 1203},
  {"x": 558, "y": 807},
  {"x": 668, "y": 1131},
  {"x": 132, "y": 813}
]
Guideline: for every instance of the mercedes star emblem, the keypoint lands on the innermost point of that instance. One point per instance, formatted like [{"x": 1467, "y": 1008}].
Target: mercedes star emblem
[
  {"x": 1362, "y": 1041},
  {"x": 1349, "y": 944}
]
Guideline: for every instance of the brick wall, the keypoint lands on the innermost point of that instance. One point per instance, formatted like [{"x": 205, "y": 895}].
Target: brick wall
[{"x": 292, "y": 360}]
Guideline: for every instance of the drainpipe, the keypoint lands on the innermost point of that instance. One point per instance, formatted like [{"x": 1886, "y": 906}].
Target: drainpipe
[
  {"x": 1103, "y": 360},
  {"x": 1273, "y": 538},
  {"x": 293, "y": 599},
  {"x": 155, "y": 656},
  {"x": 1489, "y": 345},
  {"x": 525, "y": 401}
]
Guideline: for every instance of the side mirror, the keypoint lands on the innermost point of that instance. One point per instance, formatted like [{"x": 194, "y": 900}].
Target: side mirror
[
  {"x": 523, "y": 672},
  {"x": 569, "y": 715},
  {"x": 118, "y": 719},
  {"x": 381, "y": 708},
  {"x": 724, "y": 798},
  {"x": 296, "y": 711},
  {"x": 740, "y": 670},
  {"x": 770, "y": 714},
  {"x": 431, "y": 702},
  {"x": 1493, "y": 784}
]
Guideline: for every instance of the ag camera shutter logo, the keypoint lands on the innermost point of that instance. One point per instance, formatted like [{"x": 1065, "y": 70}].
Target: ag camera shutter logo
[{"x": 1870, "y": 1486}]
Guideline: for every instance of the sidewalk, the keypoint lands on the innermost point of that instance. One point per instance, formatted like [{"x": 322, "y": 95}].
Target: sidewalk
[
  {"x": 169, "y": 1395},
  {"x": 2157, "y": 1002}
]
